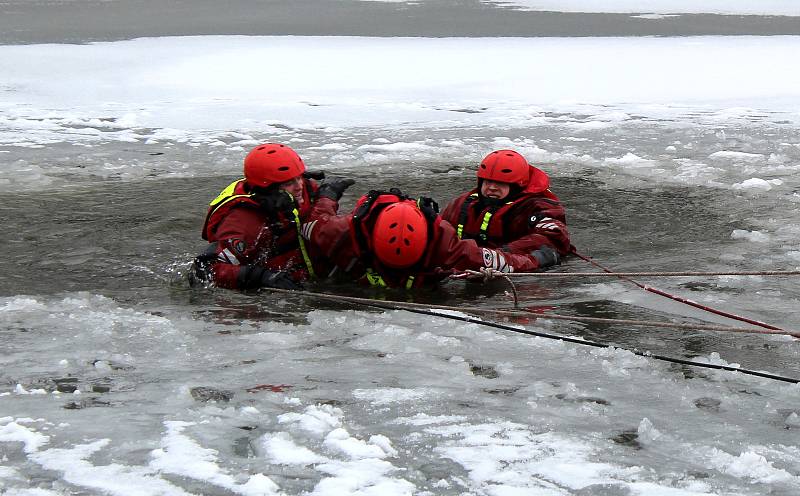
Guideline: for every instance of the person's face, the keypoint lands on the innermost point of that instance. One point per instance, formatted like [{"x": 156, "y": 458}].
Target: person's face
[
  {"x": 495, "y": 189},
  {"x": 294, "y": 187}
]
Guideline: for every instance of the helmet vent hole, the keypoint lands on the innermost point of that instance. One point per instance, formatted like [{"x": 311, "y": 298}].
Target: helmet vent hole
[
  {"x": 410, "y": 227},
  {"x": 270, "y": 152},
  {"x": 392, "y": 239},
  {"x": 397, "y": 251},
  {"x": 407, "y": 242},
  {"x": 283, "y": 168},
  {"x": 506, "y": 171},
  {"x": 483, "y": 166},
  {"x": 393, "y": 225},
  {"x": 261, "y": 148}
]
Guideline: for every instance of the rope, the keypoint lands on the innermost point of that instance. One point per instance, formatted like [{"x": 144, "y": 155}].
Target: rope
[
  {"x": 396, "y": 305},
  {"x": 424, "y": 309},
  {"x": 640, "y": 274},
  {"x": 679, "y": 298}
]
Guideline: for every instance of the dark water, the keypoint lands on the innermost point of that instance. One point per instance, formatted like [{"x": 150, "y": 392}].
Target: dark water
[
  {"x": 133, "y": 241},
  {"x": 38, "y": 21}
]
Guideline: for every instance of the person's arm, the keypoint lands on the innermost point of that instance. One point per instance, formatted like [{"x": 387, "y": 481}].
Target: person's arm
[
  {"x": 324, "y": 228},
  {"x": 541, "y": 224},
  {"x": 465, "y": 254}
]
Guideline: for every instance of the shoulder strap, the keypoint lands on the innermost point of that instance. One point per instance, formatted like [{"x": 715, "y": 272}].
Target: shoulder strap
[{"x": 462, "y": 216}]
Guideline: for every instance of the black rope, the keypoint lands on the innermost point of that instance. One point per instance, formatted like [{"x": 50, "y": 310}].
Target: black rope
[{"x": 472, "y": 320}]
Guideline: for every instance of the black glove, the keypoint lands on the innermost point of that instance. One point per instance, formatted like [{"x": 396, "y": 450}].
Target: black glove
[
  {"x": 334, "y": 187},
  {"x": 316, "y": 175},
  {"x": 275, "y": 201},
  {"x": 278, "y": 279},
  {"x": 255, "y": 276},
  {"x": 428, "y": 207},
  {"x": 546, "y": 256}
]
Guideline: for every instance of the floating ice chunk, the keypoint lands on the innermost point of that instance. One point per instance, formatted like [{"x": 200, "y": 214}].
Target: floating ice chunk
[
  {"x": 647, "y": 432},
  {"x": 386, "y": 396},
  {"x": 14, "y": 432},
  {"x": 752, "y": 236},
  {"x": 113, "y": 478},
  {"x": 16, "y": 304},
  {"x": 361, "y": 477},
  {"x": 20, "y": 389},
  {"x": 741, "y": 156},
  {"x": 757, "y": 183},
  {"x": 356, "y": 449},
  {"x": 259, "y": 484},
  {"x": 383, "y": 443},
  {"x": 754, "y": 466},
  {"x": 281, "y": 449},
  {"x": 630, "y": 160},
  {"x": 425, "y": 419},
  {"x": 183, "y": 456},
  {"x": 316, "y": 419},
  {"x": 793, "y": 420}
]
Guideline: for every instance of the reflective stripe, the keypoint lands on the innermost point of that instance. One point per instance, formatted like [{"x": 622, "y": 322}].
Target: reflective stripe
[
  {"x": 485, "y": 225},
  {"x": 225, "y": 196},
  {"x": 375, "y": 279},
  {"x": 306, "y": 258},
  {"x": 462, "y": 217},
  {"x": 484, "y": 234},
  {"x": 307, "y": 228},
  {"x": 227, "y": 256}
]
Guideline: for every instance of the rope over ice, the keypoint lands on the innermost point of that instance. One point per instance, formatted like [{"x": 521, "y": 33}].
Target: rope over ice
[{"x": 426, "y": 309}]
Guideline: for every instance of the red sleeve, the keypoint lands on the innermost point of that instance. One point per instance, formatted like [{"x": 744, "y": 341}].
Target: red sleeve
[
  {"x": 550, "y": 232},
  {"x": 238, "y": 238},
  {"x": 449, "y": 252},
  {"x": 542, "y": 223},
  {"x": 324, "y": 231}
]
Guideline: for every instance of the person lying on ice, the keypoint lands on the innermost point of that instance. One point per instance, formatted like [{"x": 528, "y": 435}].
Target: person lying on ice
[
  {"x": 511, "y": 208},
  {"x": 253, "y": 225},
  {"x": 393, "y": 241}
]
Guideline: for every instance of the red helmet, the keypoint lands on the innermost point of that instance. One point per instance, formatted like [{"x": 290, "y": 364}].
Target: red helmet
[
  {"x": 272, "y": 163},
  {"x": 505, "y": 166},
  {"x": 400, "y": 235}
]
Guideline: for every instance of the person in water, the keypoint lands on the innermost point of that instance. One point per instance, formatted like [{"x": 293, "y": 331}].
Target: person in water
[
  {"x": 253, "y": 224},
  {"x": 512, "y": 209},
  {"x": 391, "y": 240}
]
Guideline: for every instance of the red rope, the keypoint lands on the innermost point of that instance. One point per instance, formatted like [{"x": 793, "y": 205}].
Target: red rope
[{"x": 680, "y": 298}]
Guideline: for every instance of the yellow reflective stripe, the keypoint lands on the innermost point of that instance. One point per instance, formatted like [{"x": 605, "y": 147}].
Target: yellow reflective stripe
[
  {"x": 227, "y": 193},
  {"x": 375, "y": 279},
  {"x": 485, "y": 225},
  {"x": 306, "y": 258},
  {"x": 460, "y": 230},
  {"x": 225, "y": 196}
]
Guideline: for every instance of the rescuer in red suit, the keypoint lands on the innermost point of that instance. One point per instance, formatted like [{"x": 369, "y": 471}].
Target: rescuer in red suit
[
  {"x": 253, "y": 225},
  {"x": 393, "y": 241},
  {"x": 512, "y": 208}
]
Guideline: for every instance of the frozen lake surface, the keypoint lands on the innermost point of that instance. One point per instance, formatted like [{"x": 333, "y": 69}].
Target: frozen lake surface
[{"x": 677, "y": 153}]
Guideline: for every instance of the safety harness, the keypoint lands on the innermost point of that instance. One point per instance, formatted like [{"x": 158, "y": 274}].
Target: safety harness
[{"x": 483, "y": 235}]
